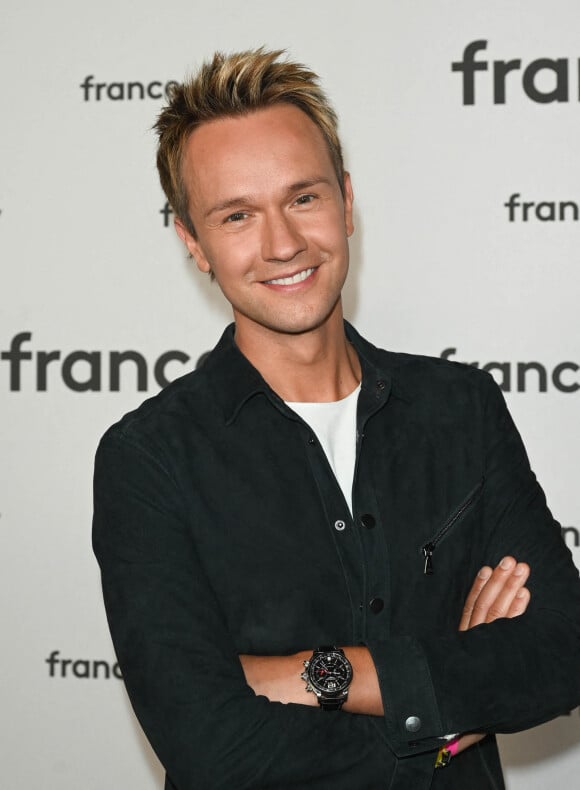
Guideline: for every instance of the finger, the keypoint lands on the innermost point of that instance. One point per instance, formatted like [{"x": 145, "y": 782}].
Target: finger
[
  {"x": 519, "y": 603},
  {"x": 476, "y": 588},
  {"x": 500, "y": 589},
  {"x": 491, "y": 590},
  {"x": 508, "y": 592}
]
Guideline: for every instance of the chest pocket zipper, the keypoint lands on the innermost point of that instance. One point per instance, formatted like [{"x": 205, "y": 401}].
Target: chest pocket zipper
[{"x": 453, "y": 519}]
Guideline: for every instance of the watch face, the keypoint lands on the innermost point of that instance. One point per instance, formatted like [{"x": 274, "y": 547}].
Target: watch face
[{"x": 330, "y": 673}]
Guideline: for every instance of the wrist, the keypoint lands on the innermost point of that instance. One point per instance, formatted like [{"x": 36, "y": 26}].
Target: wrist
[
  {"x": 365, "y": 693},
  {"x": 328, "y": 675}
]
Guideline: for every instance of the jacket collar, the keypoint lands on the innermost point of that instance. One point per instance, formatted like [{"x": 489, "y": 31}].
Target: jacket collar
[{"x": 234, "y": 380}]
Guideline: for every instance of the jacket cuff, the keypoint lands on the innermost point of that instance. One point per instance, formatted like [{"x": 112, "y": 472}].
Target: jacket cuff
[{"x": 412, "y": 714}]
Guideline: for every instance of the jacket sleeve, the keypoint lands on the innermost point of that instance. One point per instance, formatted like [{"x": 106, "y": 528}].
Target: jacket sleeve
[
  {"x": 511, "y": 674},
  {"x": 180, "y": 667}
]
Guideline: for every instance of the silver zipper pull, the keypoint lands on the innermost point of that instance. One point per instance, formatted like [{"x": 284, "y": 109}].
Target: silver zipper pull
[{"x": 428, "y": 550}]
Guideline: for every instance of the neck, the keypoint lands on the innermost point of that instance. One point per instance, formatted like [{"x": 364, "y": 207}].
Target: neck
[{"x": 315, "y": 366}]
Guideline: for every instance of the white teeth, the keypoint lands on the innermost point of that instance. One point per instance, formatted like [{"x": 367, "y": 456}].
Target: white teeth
[{"x": 292, "y": 280}]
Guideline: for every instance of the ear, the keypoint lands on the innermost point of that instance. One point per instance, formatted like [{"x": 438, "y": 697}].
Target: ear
[
  {"x": 348, "y": 201},
  {"x": 193, "y": 246}
]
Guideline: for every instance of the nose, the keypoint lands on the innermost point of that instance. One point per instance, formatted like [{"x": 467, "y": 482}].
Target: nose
[{"x": 281, "y": 238}]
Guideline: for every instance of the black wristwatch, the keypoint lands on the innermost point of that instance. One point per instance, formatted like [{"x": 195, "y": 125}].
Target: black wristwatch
[{"x": 328, "y": 673}]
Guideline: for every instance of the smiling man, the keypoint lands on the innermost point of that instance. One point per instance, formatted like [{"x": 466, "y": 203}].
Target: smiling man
[
  {"x": 289, "y": 537},
  {"x": 272, "y": 221}
]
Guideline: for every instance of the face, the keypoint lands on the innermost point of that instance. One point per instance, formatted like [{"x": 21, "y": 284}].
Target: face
[{"x": 271, "y": 221}]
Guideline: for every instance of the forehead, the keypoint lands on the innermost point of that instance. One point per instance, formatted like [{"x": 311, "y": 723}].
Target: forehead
[{"x": 259, "y": 149}]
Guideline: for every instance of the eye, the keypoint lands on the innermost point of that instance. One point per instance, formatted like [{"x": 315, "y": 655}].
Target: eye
[
  {"x": 237, "y": 216},
  {"x": 305, "y": 199}
]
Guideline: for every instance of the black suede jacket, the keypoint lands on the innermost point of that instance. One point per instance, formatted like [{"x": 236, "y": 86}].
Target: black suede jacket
[{"x": 220, "y": 529}]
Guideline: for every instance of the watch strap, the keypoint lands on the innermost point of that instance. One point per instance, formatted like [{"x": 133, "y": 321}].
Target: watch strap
[{"x": 331, "y": 704}]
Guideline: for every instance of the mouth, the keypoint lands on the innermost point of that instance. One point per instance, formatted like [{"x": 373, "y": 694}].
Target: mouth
[{"x": 292, "y": 280}]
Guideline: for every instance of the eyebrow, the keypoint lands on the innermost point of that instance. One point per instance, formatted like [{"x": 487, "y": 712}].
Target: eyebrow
[{"x": 242, "y": 200}]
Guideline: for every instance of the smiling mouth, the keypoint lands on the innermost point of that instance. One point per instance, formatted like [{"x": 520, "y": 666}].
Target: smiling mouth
[{"x": 297, "y": 278}]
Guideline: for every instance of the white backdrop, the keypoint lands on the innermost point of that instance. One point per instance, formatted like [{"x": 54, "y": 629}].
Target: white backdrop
[{"x": 88, "y": 265}]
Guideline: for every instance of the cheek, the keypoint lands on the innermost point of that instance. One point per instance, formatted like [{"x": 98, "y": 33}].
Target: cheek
[
  {"x": 333, "y": 243},
  {"x": 231, "y": 254},
  {"x": 329, "y": 229}
]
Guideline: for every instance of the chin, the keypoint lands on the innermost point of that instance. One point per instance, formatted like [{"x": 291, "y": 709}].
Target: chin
[
  {"x": 300, "y": 326},
  {"x": 303, "y": 319}
]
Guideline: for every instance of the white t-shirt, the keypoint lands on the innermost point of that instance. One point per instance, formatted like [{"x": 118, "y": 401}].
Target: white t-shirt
[{"x": 334, "y": 424}]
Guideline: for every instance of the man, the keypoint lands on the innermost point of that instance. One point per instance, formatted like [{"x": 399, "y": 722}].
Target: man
[{"x": 307, "y": 497}]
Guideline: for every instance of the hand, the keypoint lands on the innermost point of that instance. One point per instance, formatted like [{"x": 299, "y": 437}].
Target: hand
[
  {"x": 497, "y": 593},
  {"x": 494, "y": 594}
]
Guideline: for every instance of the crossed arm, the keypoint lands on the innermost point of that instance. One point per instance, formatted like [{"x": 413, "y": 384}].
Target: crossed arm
[
  {"x": 186, "y": 682},
  {"x": 495, "y": 593}
]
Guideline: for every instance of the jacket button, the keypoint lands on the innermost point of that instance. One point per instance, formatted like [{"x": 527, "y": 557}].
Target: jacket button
[
  {"x": 367, "y": 520},
  {"x": 376, "y": 605},
  {"x": 413, "y": 724},
  {"x": 381, "y": 384},
  {"x": 339, "y": 525}
]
